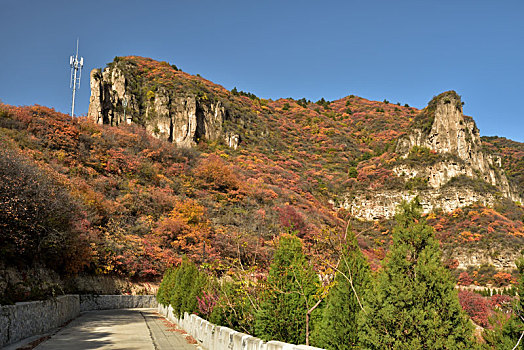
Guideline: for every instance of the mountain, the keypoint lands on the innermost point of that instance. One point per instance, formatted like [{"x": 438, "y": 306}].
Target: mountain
[
  {"x": 442, "y": 160},
  {"x": 360, "y": 156},
  {"x": 186, "y": 167}
]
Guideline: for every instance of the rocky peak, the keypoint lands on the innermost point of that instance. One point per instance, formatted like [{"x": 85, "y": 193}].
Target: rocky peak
[
  {"x": 443, "y": 154},
  {"x": 444, "y": 129},
  {"x": 451, "y": 132},
  {"x": 183, "y": 116},
  {"x": 108, "y": 90}
]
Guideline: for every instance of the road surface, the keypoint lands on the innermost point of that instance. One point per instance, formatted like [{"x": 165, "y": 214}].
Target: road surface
[{"x": 118, "y": 329}]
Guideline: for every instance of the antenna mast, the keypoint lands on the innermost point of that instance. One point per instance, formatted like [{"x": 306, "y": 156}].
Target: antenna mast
[{"x": 76, "y": 74}]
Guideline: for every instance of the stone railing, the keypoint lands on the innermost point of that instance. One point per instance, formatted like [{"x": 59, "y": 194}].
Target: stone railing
[
  {"x": 214, "y": 337},
  {"x": 27, "y": 319}
]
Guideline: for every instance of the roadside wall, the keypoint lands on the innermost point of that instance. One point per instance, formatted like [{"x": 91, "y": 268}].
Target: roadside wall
[
  {"x": 215, "y": 337},
  {"x": 26, "y": 319},
  {"x": 105, "y": 302}
]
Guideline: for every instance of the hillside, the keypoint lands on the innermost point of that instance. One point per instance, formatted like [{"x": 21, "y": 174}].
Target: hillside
[
  {"x": 512, "y": 157},
  {"x": 194, "y": 169}
]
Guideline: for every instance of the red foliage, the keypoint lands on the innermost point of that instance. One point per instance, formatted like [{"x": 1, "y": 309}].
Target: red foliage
[
  {"x": 502, "y": 278},
  {"x": 293, "y": 220},
  {"x": 206, "y": 303},
  {"x": 476, "y": 306},
  {"x": 464, "y": 279},
  {"x": 501, "y": 302}
]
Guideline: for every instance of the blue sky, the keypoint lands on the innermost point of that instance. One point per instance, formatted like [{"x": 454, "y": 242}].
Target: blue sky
[{"x": 403, "y": 51}]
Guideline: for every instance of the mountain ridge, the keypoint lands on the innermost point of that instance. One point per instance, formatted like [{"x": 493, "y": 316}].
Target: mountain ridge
[
  {"x": 377, "y": 135},
  {"x": 145, "y": 202}
]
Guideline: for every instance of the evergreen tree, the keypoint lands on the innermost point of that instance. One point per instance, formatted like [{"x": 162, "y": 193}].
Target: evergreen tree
[
  {"x": 166, "y": 286},
  {"x": 338, "y": 329},
  {"x": 198, "y": 284},
  {"x": 413, "y": 304},
  {"x": 292, "y": 284},
  {"x": 181, "y": 286},
  {"x": 185, "y": 276}
]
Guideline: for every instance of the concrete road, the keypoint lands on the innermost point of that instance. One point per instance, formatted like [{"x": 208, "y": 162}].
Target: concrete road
[{"x": 118, "y": 329}]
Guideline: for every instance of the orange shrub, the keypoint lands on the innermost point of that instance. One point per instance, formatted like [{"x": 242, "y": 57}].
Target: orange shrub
[{"x": 216, "y": 174}]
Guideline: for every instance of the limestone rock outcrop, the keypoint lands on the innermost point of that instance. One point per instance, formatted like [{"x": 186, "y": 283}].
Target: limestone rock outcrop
[
  {"x": 455, "y": 134},
  {"x": 108, "y": 91},
  {"x": 457, "y": 173},
  {"x": 181, "y": 118},
  {"x": 384, "y": 204}
]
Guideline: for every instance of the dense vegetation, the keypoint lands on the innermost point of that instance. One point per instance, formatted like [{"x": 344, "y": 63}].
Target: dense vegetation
[
  {"x": 39, "y": 219},
  {"x": 413, "y": 303},
  {"x": 409, "y": 304},
  {"x": 289, "y": 295},
  {"x": 80, "y": 197},
  {"x": 339, "y": 325}
]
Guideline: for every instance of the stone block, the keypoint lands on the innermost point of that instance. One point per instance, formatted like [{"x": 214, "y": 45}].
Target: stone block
[
  {"x": 278, "y": 345},
  {"x": 226, "y": 338},
  {"x": 240, "y": 340},
  {"x": 253, "y": 343}
]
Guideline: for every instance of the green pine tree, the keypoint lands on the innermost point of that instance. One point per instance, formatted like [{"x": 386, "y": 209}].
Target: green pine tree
[
  {"x": 181, "y": 286},
  {"x": 292, "y": 285},
  {"x": 413, "y": 304},
  {"x": 166, "y": 286},
  {"x": 338, "y": 328}
]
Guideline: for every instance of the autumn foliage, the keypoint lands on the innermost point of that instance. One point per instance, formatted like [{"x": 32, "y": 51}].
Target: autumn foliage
[
  {"x": 39, "y": 220},
  {"x": 121, "y": 202},
  {"x": 476, "y": 306}
]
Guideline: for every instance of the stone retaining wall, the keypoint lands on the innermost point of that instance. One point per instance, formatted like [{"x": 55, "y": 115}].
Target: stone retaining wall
[
  {"x": 215, "y": 337},
  {"x": 27, "y": 319},
  {"x": 105, "y": 302}
]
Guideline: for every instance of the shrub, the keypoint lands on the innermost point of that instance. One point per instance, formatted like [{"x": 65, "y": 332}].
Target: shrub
[
  {"x": 476, "y": 306},
  {"x": 38, "y": 218},
  {"x": 352, "y": 172},
  {"x": 292, "y": 220},
  {"x": 215, "y": 174},
  {"x": 237, "y": 303},
  {"x": 464, "y": 279},
  {"x": 417, "y": 183},
  {"x": 185, "y": 229}
]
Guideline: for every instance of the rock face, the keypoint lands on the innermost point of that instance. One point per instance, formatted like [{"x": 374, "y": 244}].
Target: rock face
[
  {"x": 455, "y": 134},
  {"x": 183, "y": 119},
  {"x": 108, "y": 90},
  {"x": 384, "y": 204},
  {"x": 499, "y": 257},
  {"x": 452, "y": 143}
]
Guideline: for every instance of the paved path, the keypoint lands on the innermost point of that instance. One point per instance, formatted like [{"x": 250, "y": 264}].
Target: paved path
[{"x": 118, "y": 329}]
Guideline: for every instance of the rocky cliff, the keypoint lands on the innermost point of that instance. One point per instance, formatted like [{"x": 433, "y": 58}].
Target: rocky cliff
[
  {"x": 455, "y": 134},
  {"x": 443, "y": 155},
  {"x": 183, "y": 113},
  {"x": 440, "y": 158}
]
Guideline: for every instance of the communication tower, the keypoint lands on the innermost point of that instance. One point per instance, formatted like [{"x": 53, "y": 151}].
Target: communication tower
[{"x": 76, "y": 74}]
